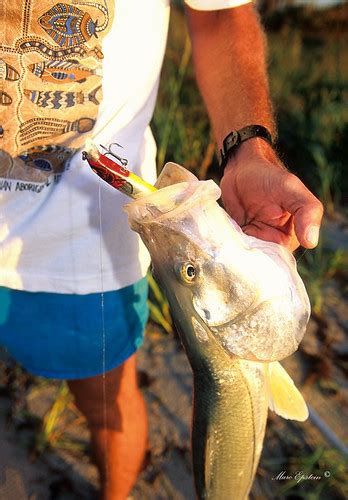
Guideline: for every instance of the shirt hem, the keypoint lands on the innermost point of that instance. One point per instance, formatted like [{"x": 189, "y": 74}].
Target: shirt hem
[
  {"x": 105, "y": 282},
  {"x": 84, "y": 374}
]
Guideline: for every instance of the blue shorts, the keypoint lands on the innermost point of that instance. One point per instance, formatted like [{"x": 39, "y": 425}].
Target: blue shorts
[{"x": 73, "y": 336}]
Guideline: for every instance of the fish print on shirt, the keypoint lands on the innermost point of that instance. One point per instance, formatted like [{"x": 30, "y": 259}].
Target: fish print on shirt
[
  {"x": 50, "y": 61},
  {"x": 70, "y": 26},
  {"x": 59, "y": 99},
  {"x": 62, "y": 71}
]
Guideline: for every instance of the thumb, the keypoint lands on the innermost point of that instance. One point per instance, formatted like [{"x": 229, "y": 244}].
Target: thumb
[{"x": 306, "y": 209}]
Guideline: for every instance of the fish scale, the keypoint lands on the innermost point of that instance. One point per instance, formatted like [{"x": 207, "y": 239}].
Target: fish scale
[{"x": 225, "y": 427}]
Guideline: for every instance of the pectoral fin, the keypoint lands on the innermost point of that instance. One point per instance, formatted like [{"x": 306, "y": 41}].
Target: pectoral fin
[{"x": 285, "y": 399}]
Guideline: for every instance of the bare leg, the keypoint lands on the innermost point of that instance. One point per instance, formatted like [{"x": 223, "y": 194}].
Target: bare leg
[{"x": 118, "y": 429}]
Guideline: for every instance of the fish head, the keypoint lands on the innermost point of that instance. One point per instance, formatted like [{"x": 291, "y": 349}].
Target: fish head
[{"x": 237, "y": 291}]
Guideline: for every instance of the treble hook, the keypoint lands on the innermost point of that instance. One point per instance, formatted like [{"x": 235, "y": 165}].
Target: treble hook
[{"x": 123, "y": 161}]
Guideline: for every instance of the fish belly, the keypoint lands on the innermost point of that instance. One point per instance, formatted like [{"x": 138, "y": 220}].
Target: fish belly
[{"x": 229, "y": 418}]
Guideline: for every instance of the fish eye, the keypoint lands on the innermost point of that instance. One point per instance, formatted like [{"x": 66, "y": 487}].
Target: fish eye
[{"x": 188, "y": 272}]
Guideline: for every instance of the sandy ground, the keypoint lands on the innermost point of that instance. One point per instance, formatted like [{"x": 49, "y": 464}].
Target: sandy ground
[{"x": 60, "y": 473}]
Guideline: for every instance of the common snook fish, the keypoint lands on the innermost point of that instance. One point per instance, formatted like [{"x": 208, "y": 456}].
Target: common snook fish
[{"x": 239, "y": 307}]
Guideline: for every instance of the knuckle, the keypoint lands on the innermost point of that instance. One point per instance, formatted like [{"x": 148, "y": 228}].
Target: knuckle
[
  {"x": 316, "y": 205},
  {"x": 319, "y": 209},
  {"x": 291, "y": 182}
]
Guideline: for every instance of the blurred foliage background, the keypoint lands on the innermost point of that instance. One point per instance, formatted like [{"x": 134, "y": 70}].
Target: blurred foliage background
[{"x": 308, "y": 67}]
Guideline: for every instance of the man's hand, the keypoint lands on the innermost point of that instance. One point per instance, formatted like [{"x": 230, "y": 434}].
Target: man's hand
[{"x": 267, "y": 201}]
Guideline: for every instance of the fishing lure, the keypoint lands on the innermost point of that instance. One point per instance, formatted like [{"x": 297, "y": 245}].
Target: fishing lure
[{"x": 118, "y": 176}]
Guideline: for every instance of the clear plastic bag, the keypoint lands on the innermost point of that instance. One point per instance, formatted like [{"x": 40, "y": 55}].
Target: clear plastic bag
[{"x": 245, "y": 290}]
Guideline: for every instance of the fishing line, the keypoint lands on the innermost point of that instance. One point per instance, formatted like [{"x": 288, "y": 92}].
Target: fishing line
[{"x": 102, "y": 307}]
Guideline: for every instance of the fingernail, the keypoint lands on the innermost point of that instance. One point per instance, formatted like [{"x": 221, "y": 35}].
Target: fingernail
[{"x": 312, "y": 235}]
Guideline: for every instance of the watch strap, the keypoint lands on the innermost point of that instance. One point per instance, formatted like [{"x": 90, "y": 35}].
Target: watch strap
[{"x": 235, "y": 138}]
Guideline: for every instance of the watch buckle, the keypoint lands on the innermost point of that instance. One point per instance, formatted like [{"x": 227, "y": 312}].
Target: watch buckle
[{"x": 230, "y": 141}]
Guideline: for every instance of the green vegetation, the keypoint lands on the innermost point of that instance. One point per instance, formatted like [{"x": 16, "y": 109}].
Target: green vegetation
[
  {"x": 309, "y": 83},
  {"x": 158, "y": 306},
  {"x": 328, "y": 465},
  {"x": 180, "y": 123},
  {"x": 317, "y": 267},
  {"x": 50, "y": 429}
]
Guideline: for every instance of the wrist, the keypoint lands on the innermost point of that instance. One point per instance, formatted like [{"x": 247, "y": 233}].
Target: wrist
[
  {"x": 235, "y": 138},
  {"x": 253, "y": 151}
]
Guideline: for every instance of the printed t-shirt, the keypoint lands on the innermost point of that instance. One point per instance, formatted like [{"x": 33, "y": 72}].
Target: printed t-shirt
[{"x": 71, "y": 71}]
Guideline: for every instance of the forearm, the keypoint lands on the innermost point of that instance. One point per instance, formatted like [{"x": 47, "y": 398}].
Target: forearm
[{"x": 229, "y": 57}]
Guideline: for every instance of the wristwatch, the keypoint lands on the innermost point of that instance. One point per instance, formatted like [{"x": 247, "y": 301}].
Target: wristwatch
[{"x": 234, "y": 139}]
